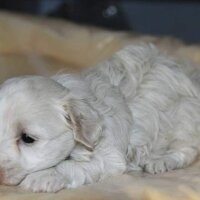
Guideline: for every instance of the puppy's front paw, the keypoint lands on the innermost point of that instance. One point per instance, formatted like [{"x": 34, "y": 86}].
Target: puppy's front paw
[
  {"x": 44, "y": 181},
  {"x": 156, "y": 166}
]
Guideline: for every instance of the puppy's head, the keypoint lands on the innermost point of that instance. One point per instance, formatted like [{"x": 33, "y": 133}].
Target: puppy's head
[{"x": 39, "y": 126}]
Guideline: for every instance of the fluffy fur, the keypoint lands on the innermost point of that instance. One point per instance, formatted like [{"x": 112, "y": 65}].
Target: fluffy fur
[{"x": 139, "y": 110}]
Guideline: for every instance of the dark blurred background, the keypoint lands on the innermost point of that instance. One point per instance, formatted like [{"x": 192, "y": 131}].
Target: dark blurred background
[{"x": 179, "y": 18}]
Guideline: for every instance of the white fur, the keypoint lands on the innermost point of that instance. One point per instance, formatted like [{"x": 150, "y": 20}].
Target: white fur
[{"x": 137, "y": 110}]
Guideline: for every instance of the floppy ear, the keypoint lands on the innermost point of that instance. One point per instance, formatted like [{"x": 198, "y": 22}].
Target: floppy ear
[{"x": 84, "y": 123}]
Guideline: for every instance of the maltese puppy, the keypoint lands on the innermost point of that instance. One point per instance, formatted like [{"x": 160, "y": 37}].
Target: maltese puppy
[{"x": 139, "y": 110}]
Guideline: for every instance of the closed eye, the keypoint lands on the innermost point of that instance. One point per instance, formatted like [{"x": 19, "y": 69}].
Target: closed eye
[{"x": 68, "y": 118}]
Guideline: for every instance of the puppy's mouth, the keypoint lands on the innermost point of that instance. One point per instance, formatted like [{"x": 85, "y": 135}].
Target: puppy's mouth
[
  {"x": 11, "y": 176},
  {"x": 13, "y": 182}
]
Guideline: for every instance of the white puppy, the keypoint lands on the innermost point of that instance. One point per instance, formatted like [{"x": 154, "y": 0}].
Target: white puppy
[{"x": 137, "y": 110}]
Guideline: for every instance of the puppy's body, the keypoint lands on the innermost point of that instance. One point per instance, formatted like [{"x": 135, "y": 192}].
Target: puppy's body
[
  {"x": 138, "y": 110},
  {"x": 152, "y": 104}
]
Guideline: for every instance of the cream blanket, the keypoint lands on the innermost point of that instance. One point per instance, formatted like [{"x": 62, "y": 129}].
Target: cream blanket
[{"x": 31, "y": 45}]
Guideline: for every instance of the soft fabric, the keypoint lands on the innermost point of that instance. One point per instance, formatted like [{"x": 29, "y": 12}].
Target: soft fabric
[{"x": 40, "y": 46}]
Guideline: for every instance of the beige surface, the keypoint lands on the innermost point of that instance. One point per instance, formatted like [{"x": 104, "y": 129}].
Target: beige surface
[{"x": 38, "y": 46}]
